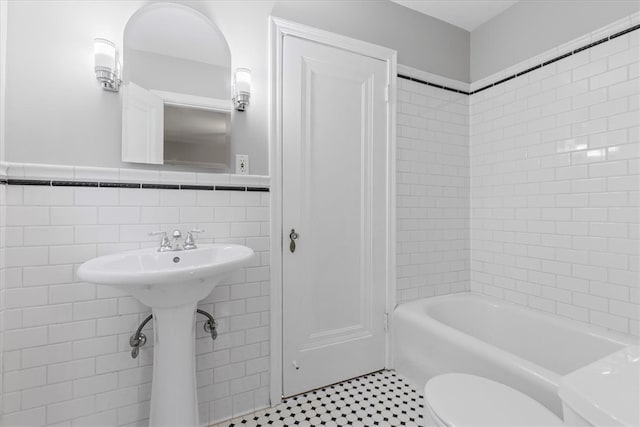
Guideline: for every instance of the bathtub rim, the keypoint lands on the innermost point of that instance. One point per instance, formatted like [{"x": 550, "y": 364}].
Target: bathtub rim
[
  {"x": 572, "y": 324},
  {"x": 418, "y": 309}
]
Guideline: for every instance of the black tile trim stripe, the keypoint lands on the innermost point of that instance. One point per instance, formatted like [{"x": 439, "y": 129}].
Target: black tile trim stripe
[
  {"x": 424, "y": 82},
  {"x": 528, "y": 70},
  {"x": 557, "y": 58},
  {"x": 74, "y": 184},
  {"x": 161, "y": 186},
  {"x": 28, "y": 182},
  {"x": 623, "y": 32},
  {"x": 521, "y": 73},
  {"x": 230, "y": 188},
  {"x": 99, "y": 184},
  {"x": 120, "y": 185},
  {"x": 196, "y": 187},
  {"x": 592, "y": 44}
]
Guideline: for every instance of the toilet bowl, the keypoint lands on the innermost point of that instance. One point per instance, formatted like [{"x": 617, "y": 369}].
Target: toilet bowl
[{"x": 457, "y": 400}]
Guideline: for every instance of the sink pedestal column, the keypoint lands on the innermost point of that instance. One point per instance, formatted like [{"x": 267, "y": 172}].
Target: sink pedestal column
[{"x": 174, "y": 401}]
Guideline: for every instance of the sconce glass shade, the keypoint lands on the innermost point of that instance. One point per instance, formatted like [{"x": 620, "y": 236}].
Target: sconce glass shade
[
  {"x": 242, "y": 88},
  {"x": 105, "y": 53},
  {"x": 106, "y": 64}
]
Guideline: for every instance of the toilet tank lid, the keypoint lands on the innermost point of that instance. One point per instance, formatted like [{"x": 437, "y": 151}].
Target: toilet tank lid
[
  {"x": 464, "y": 399},
  {"x": 606, "y": 392}
]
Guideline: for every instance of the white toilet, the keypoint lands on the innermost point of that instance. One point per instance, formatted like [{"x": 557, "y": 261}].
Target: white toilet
[
  {"x": 604, "y": 393},
  {"x": 457, "y": 400}
]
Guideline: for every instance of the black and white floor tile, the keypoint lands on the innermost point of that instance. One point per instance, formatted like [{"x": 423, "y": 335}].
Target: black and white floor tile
[{"x": 378, "y": 399}]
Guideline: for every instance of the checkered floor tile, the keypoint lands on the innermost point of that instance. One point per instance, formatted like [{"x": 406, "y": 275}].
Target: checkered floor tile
[{"x": 378, "y": 399}]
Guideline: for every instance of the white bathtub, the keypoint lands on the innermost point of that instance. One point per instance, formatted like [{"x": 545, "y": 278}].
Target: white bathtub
[{"x": 470, "y": 333}]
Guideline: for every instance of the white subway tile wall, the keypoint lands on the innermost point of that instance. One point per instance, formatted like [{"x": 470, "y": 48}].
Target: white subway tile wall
[
  {"x": 3, "y": 244},
  {"x": 432, "y": 191},
  {"x": 555, "y": 179},
  {"x": 66, "y": 353}
]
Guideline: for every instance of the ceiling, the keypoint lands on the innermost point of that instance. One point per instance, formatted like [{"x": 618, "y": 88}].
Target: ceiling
[{"x": 466, "y": 14}]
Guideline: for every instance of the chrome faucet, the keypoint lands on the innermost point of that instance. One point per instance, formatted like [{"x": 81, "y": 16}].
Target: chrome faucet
[
  {"x": 190, "y": 242},
  {"x": 167, "y": 245},
  {"x": 177, "y": 235}
]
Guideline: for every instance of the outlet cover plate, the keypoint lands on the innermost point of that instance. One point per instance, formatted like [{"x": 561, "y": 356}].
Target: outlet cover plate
[{"x": 242, "y": 164}]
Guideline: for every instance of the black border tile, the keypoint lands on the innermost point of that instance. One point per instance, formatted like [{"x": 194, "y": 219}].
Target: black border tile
[
  {"x": 230, "y": 188},
  {"x": 506, "y": 79},
  {"x": 29, "y": 182},
  {"x": 528, "y": 70},
  {"x": 261, "y": 189},
  {"x": 161, "y": 186},
  {"x": 557, "y": 58},
  {"x": 120, "y": 185},
  {"x": 196, "y": 187},
  {"x": 3, "y": 181},
  {"x": 74, "y": 183},
  {"x": 590, "y": 45},
  {"x": 402, "y": 76},
  {"x": 424, "y": 82},
  {"x": 623, "y": 32},
  {"x": 482, "y": 88}
]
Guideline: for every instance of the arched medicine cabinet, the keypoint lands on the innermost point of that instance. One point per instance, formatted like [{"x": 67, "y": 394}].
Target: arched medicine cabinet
[{"x": 176, "y": 89}]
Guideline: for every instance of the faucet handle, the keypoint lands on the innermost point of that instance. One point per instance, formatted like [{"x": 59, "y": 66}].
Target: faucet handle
[
  {"x": 165, "y": 244},
  {"x": 189, "y": 242}
]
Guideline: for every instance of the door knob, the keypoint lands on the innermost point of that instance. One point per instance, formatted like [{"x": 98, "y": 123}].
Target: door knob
[{"x": 293, "y": 236}]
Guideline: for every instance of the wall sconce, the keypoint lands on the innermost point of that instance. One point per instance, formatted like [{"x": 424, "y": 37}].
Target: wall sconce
[
  {"x": 107, "y": 65},
  {"x": 241, "y": 88}
]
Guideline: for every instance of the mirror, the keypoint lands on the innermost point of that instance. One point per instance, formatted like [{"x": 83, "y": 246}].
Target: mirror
[{"x": 176, "y": 88}]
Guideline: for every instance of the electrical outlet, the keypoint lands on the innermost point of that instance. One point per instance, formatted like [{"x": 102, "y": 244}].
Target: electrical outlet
[{"x": 242, "y": 164}]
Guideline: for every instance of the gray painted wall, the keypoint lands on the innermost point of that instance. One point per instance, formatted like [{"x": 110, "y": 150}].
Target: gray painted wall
[
  {"x": 3, "y": 75},
  {"x": 422, "y": 42},
  {"x": 529, "y": 28},
  {"x": 63, "y": 117}
]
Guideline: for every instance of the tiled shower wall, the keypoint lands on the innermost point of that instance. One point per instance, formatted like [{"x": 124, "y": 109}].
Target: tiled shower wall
[
  {"x": 3, "y": 195},
  {"x": 432, "y": 191},
  {"x": 555, "y": 174},
  {"x": 66, "y": 352}
]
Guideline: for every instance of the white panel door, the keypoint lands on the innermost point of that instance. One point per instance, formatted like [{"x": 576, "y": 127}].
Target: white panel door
[
  {"x": 334, "y": 161},
  {"x": 142, "y": 125}
]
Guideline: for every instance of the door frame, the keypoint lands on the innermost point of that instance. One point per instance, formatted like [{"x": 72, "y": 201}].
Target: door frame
[{"x": 278, "y": 29}]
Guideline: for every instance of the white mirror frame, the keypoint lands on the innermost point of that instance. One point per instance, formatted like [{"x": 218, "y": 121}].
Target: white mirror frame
[{"x": 143, "y": 110}]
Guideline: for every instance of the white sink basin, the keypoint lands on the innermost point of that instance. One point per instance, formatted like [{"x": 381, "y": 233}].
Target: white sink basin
[
  {"x": 166, "y": 279},
  {"x": 171, "y": 283}
]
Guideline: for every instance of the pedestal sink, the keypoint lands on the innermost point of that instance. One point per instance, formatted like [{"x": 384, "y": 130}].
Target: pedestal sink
[{"x": 171, "y": 283}]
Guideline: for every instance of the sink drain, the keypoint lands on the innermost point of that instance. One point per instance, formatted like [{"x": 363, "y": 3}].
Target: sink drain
[{"x": 176, "y": 259}]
